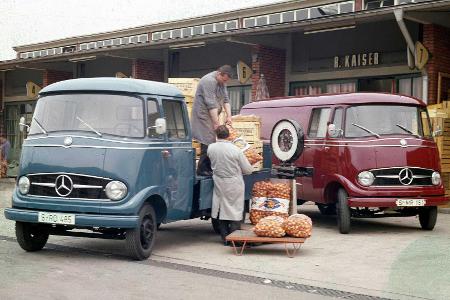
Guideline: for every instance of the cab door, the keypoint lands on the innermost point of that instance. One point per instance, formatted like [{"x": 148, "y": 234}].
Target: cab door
[
  {"x": 178, "y": 160},
  {"x": 314, "y": 155}
]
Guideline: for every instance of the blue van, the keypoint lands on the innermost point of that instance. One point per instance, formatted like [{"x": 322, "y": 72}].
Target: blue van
[{"x": 110, "y": 156}]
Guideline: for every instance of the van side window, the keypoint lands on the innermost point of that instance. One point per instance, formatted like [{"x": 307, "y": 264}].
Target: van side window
[
  {"x": 152, "y": 115},
  {"x": 173, "y": 111},
  {"x": 337, "y": 118},
  {"x": 319, "y": 120}
]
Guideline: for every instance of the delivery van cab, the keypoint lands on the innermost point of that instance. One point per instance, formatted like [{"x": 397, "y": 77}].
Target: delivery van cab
[
  {"x": 109, "y": 158},
  {"x": 369, "y": 154}
]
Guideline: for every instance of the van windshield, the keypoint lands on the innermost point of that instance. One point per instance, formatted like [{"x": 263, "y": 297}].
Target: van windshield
[
  {"x": 377, "y": 120},
  {"x": 97, "y": 113}
]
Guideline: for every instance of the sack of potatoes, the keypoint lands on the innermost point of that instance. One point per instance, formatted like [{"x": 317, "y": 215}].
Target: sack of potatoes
[
  {"x": 298, "y": 225},
  {"x": 271, "y": 226}
]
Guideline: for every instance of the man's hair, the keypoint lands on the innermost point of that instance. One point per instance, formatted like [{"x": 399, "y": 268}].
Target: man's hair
[
  {"x": 226, "y": 69},
  {"x": 222, "y": 132}
]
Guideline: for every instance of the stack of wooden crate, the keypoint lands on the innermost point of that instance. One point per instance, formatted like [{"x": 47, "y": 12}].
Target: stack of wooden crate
[
  {"x": 249, "y": 129},
  {"x": 440, "y": 119}
]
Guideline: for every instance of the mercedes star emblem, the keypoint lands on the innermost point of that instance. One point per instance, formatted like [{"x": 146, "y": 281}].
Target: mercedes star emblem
[
  {"x": 405, "y": 176},
  {"x": 63, "y": 185},
  {"x": 67, "y": 141}
]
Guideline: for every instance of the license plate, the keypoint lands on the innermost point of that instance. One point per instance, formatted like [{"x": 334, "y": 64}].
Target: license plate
[
  {"x": 410, "y": 202},
  {"x": 56, "y": 218}
]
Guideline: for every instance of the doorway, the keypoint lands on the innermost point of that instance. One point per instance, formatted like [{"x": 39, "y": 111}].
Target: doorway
[{"x": 13, "y": 112}]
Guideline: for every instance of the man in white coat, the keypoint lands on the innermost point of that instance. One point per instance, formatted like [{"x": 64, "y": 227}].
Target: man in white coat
[{"x": 228, "y": 164}]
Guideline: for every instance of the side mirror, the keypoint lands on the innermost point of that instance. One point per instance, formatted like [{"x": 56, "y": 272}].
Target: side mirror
[
  {"x": 160, "y": 126},
  {"x": 334, "y": 132},
  {"x": 22, "y": 125}
]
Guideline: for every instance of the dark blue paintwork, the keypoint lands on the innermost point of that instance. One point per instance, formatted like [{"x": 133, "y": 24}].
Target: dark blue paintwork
[{"x": 167, "y": 181}]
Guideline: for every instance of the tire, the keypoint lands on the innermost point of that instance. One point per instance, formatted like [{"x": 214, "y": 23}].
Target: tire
[
  {"x": 31, "y": 237},
  {"x": 140, "y": 240},
  {"x": 343, "y": 212},
  {"x": 428, "y": 217},
  {"x": 327, "y": 209},
  {"x": 215, "y": 225}
]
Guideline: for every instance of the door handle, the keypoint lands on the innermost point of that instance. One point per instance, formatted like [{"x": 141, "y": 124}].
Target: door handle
[
  {"x": 327, "y": 148},
  {"x": 189, "y": 151}
]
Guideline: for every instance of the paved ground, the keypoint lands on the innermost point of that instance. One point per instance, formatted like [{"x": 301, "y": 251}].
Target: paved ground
[{"x": 391, "y": 258}]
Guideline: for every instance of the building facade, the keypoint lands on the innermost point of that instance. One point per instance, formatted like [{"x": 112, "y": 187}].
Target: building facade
[{"x": 304, "y": 47}]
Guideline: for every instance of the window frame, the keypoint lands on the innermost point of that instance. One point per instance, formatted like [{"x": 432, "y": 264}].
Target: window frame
[
  {"x": 311, "y": 122},
  {"x": 184, "y": 116}
]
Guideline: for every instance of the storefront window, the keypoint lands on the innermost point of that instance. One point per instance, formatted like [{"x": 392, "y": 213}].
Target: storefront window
[
  {"x": 324, "y": 87},
  {"x": 239, "y": 96},
  {"x": 410, "y": 87}
]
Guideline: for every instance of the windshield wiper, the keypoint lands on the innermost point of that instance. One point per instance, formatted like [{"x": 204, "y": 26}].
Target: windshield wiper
[
  {"x": 89, "y": 126},
  {"x": 368, "y": 130},
  {"x": 40, "y": 126},
  {"x": 406, "y": 129}
]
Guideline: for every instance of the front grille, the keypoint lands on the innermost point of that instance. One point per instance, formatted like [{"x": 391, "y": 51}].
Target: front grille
[
  {"x": 402, "y": 176},
  {"x": 75, "y": 186}
]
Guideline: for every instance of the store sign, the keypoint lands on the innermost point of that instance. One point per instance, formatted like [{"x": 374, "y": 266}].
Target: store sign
[
  {"x": 357, "y": 60},
  {"x": 32, "y": 89},
  {"x": 244, "y": 72}
]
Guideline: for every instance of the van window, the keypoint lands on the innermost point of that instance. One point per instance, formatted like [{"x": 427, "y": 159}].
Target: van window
[
  {"x": 371, "y": 120},
  {"x": 337, "y": 119},
  {"x": 319, "y": 120},
  {"x": 152, "y": 115},
  {"x": 173, "y": 111}
]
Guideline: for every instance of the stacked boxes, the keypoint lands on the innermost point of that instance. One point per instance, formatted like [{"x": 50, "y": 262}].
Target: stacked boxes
[
  {"x": 249, "y": 129},
  {"x": 440, "y": 119}
]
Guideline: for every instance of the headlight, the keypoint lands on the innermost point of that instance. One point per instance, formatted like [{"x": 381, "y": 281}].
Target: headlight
[
  {"x": 366, "y": 178},
  {"x": 116, "y": 190},
  {"x": 24, "y": 185},
  {"x": 436, "y": 178}
]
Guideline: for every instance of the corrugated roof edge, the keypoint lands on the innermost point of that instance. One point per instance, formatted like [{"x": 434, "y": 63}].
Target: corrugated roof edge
[{"x": 112, "y": 84}]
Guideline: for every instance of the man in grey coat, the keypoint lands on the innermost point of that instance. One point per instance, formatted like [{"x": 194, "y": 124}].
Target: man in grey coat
[
  {"x": 228, "y": 163},
  {"x": 210, "y": 97}
]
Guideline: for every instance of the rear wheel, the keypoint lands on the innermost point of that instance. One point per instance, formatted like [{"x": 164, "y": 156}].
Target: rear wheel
[
  {"x": 140, "y": 240},
  {"x": 327, "y": 209},
  {"x": 343, "y": 212},
  {"x": 428, "y": 217},
  {"x": 31, "y": 237}
]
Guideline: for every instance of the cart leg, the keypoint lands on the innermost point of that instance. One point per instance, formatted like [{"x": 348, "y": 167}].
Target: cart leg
[
  {"x": 236, "y": 248},
  {"x": 294, "y": 251}
]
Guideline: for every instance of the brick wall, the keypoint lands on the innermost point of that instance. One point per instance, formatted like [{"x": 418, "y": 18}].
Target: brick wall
[
  {"x": 52, "y": 76},
  {"x": 272, "y": 63},
  {"x": 148, "y": 70},
  {"x": 437, "y": 40}
]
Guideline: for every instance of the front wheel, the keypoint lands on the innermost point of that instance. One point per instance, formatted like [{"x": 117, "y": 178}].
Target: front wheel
[
  {"x": 343, "y": 212},
  {"x": 428, "y": 217},
  {"x": 31, "y": 237},
  {"x": 140, "y": 240}
]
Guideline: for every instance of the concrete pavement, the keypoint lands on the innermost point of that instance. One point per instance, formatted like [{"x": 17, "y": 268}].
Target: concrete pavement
[{"x": 390, "y": 257}]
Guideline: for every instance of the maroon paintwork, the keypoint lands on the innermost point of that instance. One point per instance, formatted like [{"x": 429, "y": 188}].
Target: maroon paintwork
[{"x": 337, "y": 161}]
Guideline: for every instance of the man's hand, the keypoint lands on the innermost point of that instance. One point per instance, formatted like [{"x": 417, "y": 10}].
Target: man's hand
[
  {"x": 215, "y": 125},
  {"x": 228, "y": 122}
]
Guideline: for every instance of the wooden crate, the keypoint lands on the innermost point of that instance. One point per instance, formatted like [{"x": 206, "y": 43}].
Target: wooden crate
[
  {"x": 188, "y": 86},
  {"x": 249, "y": 131},
  {"x": 196, "y": 145},
  {"x": 246, "y": 118}
]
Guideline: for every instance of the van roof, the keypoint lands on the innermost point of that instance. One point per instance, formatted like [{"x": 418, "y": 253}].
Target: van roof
[
  {"x": 351, "y": 98},
  {"x": 112, "y": 84}
]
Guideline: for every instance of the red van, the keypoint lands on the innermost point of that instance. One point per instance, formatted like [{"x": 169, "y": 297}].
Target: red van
[{"x": 371, "y": 155}]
